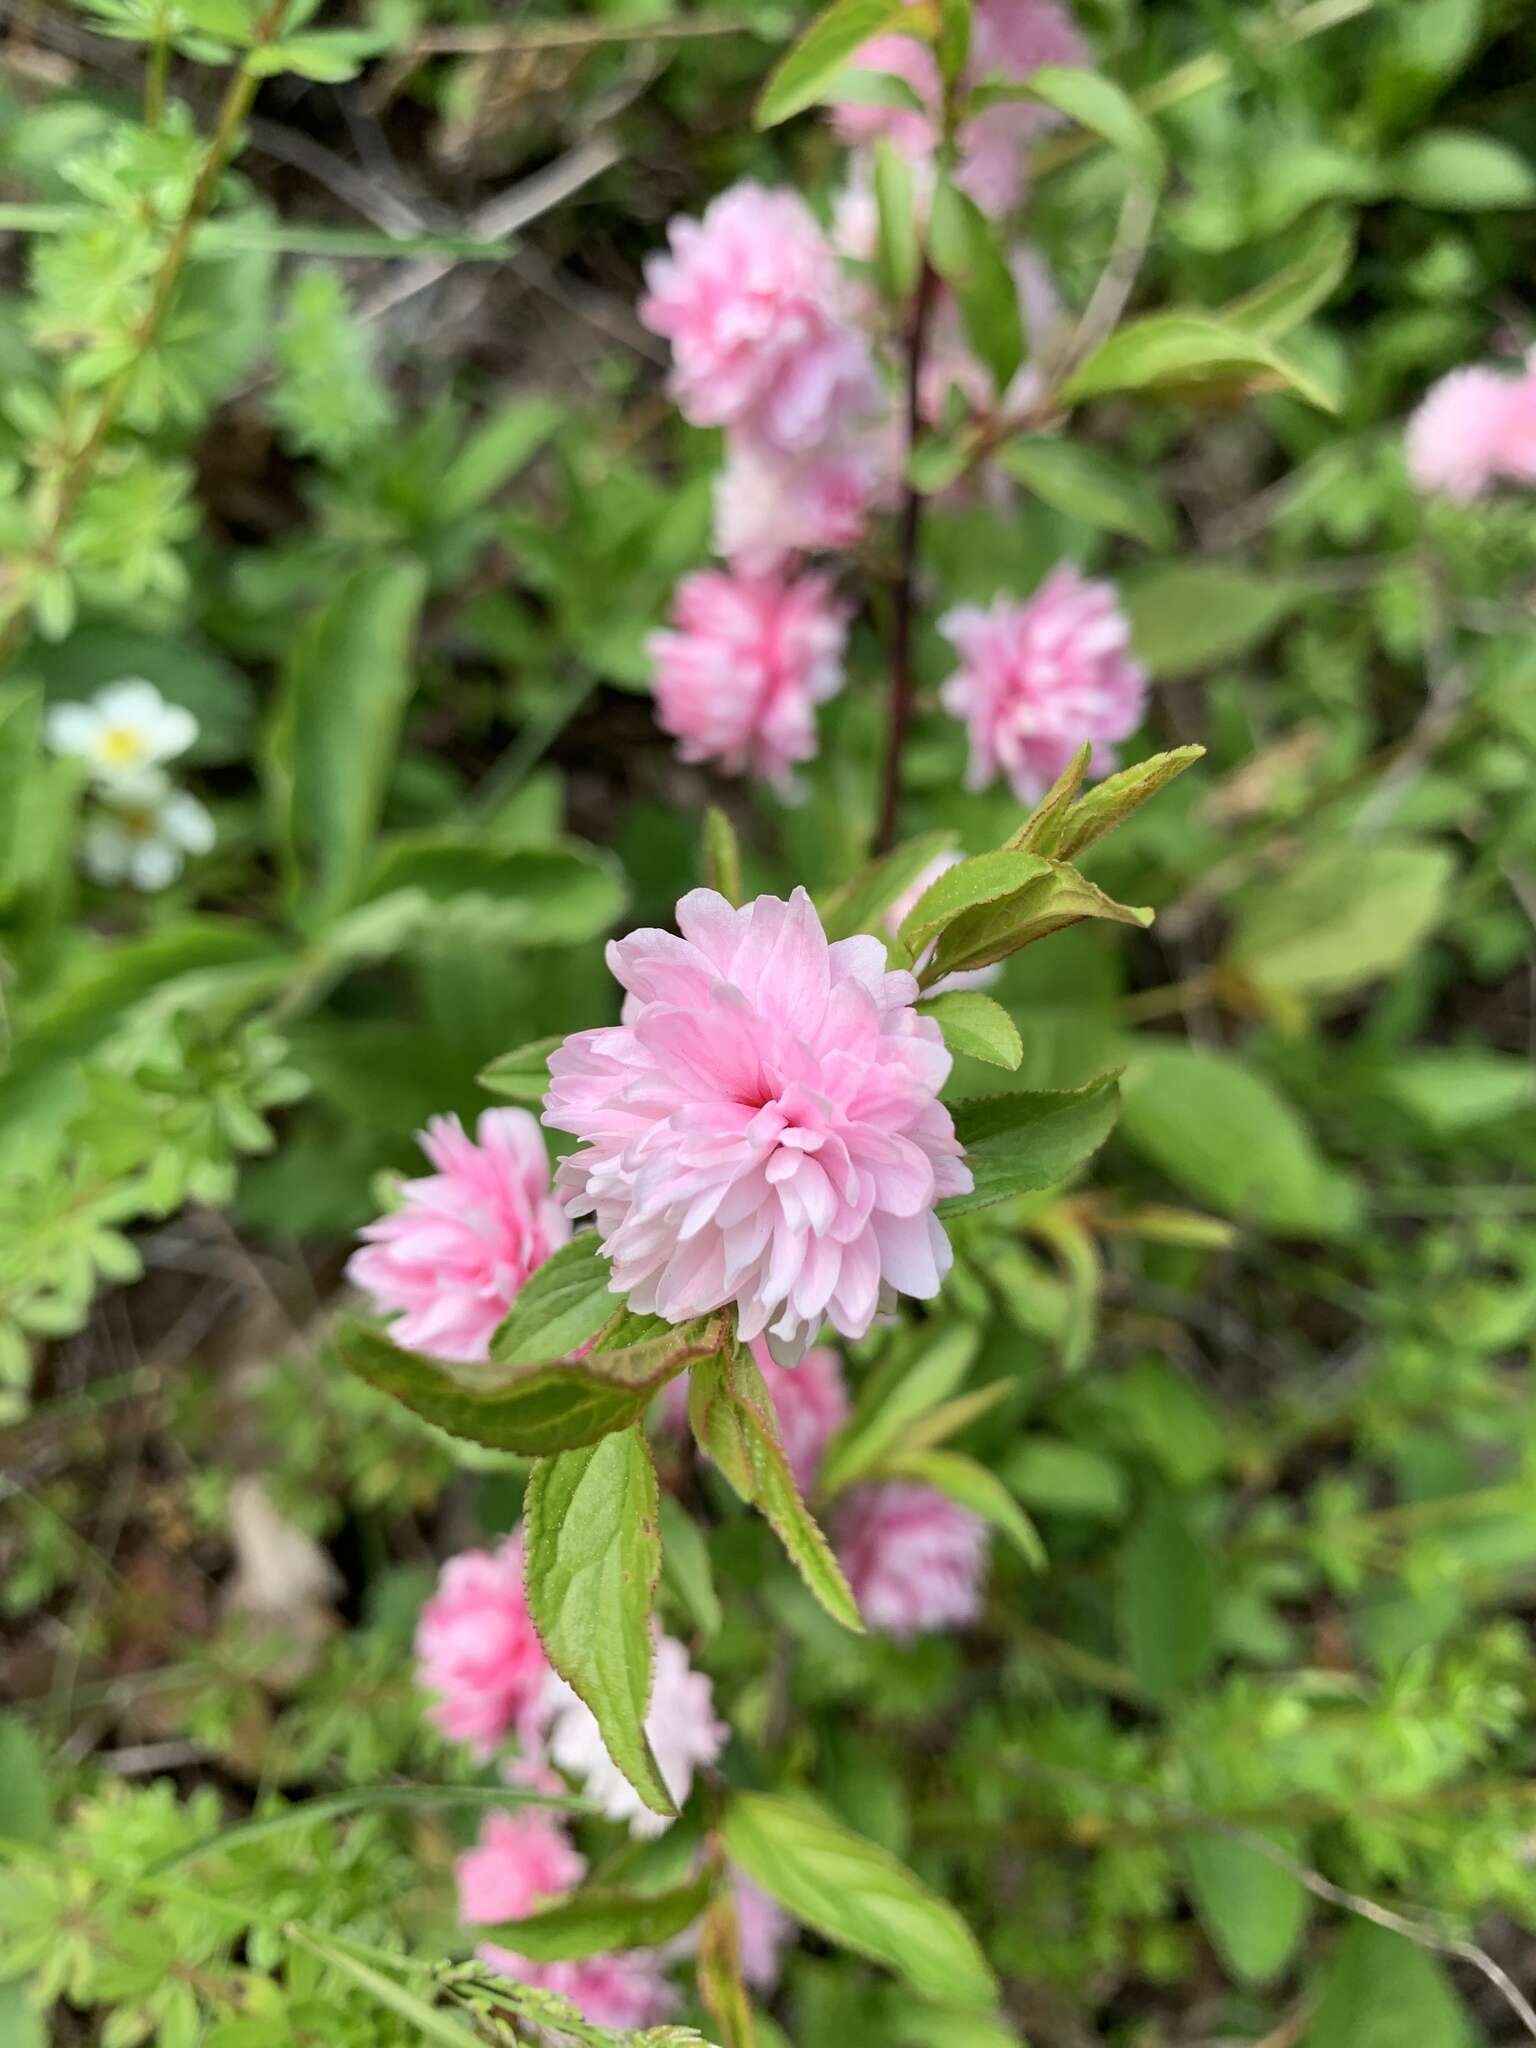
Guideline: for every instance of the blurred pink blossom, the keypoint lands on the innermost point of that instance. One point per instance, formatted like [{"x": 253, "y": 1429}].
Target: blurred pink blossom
[
  {"x": 1010, "y": 40},
  {"x": 763, "y": 1931},
  {"x": 913, "y": 1558},
  {"x": 810, "y": 1400},
  {"x": 754, "y": 303},
  {"x": 764, "y": 1125},
  {"x": 627, "y": 1990},
  {"x": 477, "y": 1650},
  {"x": 950, "y": 361},
  {"x": 743, "y": 666},
  {"x": 769, "y": 508},
  {"x": 908, "y": 900},
  {"x": 1472, "y": 429},
  {"x": 680, "y": 1723},
  {"x": 451, "y": 1258},
  {"x": 521, "y": 1862},
  {"x": 1038, "y": 679}
]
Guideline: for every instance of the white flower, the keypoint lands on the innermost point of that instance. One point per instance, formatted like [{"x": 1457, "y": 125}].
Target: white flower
[
  {"x": 680, "y": 1722},
  {"x": 124, "y": 733},
  {"x": 144, "y": 834}
]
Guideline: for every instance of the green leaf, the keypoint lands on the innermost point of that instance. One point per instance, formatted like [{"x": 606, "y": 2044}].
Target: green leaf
[
  {"x": 963, "y": 248},
  {"x": 1090, "y": 484},
  {"x": 493, "y": 455},
  {"x": 973, "y": 1023},
  {"x": 1341, "y": 917},
  {"x": 970, "y": 1484},
  {"x": 1181, "y": 352},
  {"x": 21, "y": 2024},
  {"x": 560, "y": 1306},
  {"x": 983, "y": 879},
  {"x": 1167, "y": 1601},
  {"x": 861, "y": 903},
  {"x": 1115, "y": 798},
  {"x": 332, "y": 746},
  {"x": 330, "y": 56},
  {"x": 1293, "y": 294},
  {"x": 800, "y": 79},
  {"x": 562, "y": 895},
  {"x": 734, "y": 1421},
  {"x": 686, "y": 1571},
  {"x": 1456, "y": 1090},
  {"x": 529, "y": 1409},
  {"x": 899, "y": 258},
  {"x": 1382, "y": 1991},
  {"x": 898, "y": 1394},
  {"x": 953, "y": 46},
  {"x": 1459, "y": 171},
  {"x": 591, "y": 1560},
  {"x": 1056, "y": 1476},
  {"x": 1097, "y": 103},
  {"x": 1056, "y": 897},
  {"x": 1186, "y": 616},
  {"x": 523, "y": 1075},
  {"x": 597, "y": 1921},
  {"x": 1227, "y": 1136},
  {"x": 1016, "y": 1144},
  {"x": 857, "y": 1895},
  {"x": 1254, "y": 1912},
  {"x": 26, "y": 1803},
  {"x": 722, "y": 855}
]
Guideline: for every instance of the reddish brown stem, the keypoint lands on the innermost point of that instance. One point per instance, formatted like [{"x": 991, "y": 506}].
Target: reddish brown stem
[{"x": 903, "y": 681}]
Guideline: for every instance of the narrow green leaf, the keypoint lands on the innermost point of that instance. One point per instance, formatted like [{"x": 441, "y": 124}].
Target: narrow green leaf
[
  {"x": 982, "y": 879},
  {"x": 1293, "y": 294},
  {"x": 1089, "y": 484},
  {"x": 595, "y": 1921},
  {"x": 920, "y": 1371},
  {"x": 26, "y": 1802},
  {"x": 1041, "y": 830},
  {"x": 425, "y": 2020},
  {"x": 857, "y": 1895},
  {"x": 1114, "y": 799},
  {"x": 722, "y": 855},
  {"x": 591, "y": 1560},
  {"x": 800, "y": 79},
  {"x": 686, "y": 1572},
  {"x": 493, "y": 454},
  {"x": 1097, "y": 103},
  {"x": 1167, "y": 1601},
  {"x": 523, "y": 1075},
  {"x": 972, "y": 1486},
  {"x": 861, "y": 903},
  {"x": 973, "y": 1023},
  {"x": 963, "y": 247},
  {"x": 332, "y": 746},
  {"x": 899, "y": 257},
  {"x": 1057, "y": 897},
  {"x": 1184, "y": 351},
  {"x": 1015, "y": 1144}
]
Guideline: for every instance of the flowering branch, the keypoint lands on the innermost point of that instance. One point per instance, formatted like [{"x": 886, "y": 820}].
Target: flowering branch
[{"x": 903, "y": 682}]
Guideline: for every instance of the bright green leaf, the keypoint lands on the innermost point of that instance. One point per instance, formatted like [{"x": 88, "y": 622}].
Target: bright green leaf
[
  {"x": 1340, "y": 917},
  {"x": 974, "y": 1487},
  {"x": 1090, "y": 484},
  {"x": 1097, "y": 103},
  {"x": 1457, "y": 170},
  {"x": 1382, "y": 1991},
  {"x": 1183, "y": 351},
  {"x": 523, "y": 1075},
  {"x": 1016, "y": 1144},
  {"x": 1186, "y": 616},
  {"x": 964, "y": 250},
  {"x": 974, "y": 1024},
  {"x": 800, "y": 79}
]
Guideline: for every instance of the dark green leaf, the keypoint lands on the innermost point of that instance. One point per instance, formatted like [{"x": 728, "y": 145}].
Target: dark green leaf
[
  {"x": 493, "y": 455},
  {"x": 26, "y": 1804},
  {"x": 1167, "y": 1601},
  {"x": 596, "y": 1921},
  {"x": 1015, "y": 1144},
  {"x": 592, "y": 1556},
  {"x": 1254, "y": 1912}
]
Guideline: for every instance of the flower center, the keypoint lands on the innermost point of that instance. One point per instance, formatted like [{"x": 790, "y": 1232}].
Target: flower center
[{"x": 121, "y": 746}]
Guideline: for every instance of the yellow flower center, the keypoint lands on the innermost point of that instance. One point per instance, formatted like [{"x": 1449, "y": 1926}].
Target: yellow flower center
[{"x": 121, "y": 746}]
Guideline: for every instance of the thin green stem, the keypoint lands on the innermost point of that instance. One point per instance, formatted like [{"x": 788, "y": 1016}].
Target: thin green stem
[{"x": 156, "y": 73}]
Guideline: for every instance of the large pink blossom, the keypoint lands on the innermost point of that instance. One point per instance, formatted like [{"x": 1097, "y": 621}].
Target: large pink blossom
[
  {"x": 679, "y": 1722},
  {"x": 477, "y": 1650},
  {"x": 1038, "y": 679},
  {"x": 521, "y": 1862},
  {"x": 763, "y": 1127},
  {"x": 451, "y": 1258},
  {"x": 625, "y": 1991},
  {"x": 1472, "y": 429},
  {"x": 743, "y": 666},
  {"x": 913, "y": 1557},
  {"x": 770, "y": 508},
  {"x": 1011, "y": 39},
  {"x": 810, "y": 1401},
  {"x": 754, "y": 304}
]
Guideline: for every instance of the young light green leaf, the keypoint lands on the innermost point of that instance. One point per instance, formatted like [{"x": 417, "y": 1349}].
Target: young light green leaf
[
  {"x": 1056, "y": 1476},
  {"x": 920, "y": 1372},
  {"x": 1461, "y": 171},
  {"x": 1090, "y": 484},
  {"x": 560, "y": 1306},
  {"x": 974, "y": 1024},
  {"x": 1114, "y": 799},
  {"x": 1054, "y": 899},
  {"x": 591, "y": 1559},
  {"x": 1015, "y": 1144},
  {"x": 1097, "y": 103},
  {"x": 1254, "y": 1912},
  {"x": 1184, "y": 351},
  {"x": 801, "y": 78},
  {"x": 595, "y": 1921},
  {"x": 1041, "y": 830},
  {"x": 332, "y": 745},
  {"x": 983, "y": 879},
  {"x": 523, "y": 1075},
  {"x": 972, "y": 1486},
  {"x": 963, "y": 248},
  {"x": 857, "y": 1895},
  {"x": 722, "y": 855}
]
